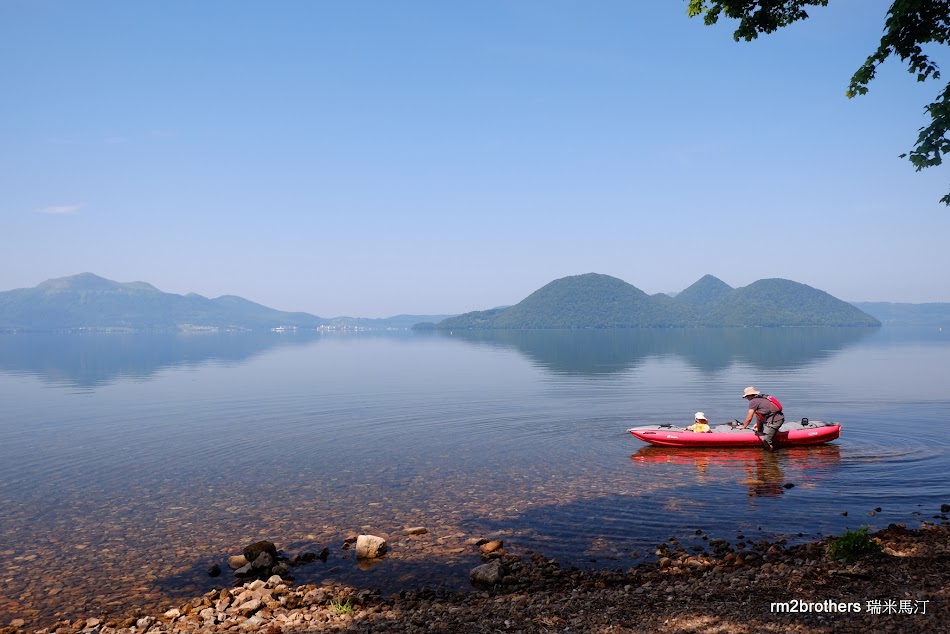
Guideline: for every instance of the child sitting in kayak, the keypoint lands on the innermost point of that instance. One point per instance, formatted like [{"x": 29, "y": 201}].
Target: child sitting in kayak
[{"x": 700, "y": 424}]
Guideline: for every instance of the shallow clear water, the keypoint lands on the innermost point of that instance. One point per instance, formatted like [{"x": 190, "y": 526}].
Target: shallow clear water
[{"x": 130, "y": 464}]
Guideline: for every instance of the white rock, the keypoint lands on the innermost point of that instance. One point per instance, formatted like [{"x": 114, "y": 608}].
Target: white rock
[
  {"x": 174, "y": 613},
  {"x": 250, "y": 607},
  {"x": 370, "y": 547}
]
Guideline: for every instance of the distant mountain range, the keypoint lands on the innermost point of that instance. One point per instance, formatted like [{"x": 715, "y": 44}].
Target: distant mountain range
[
  {"x": 600, "y": 301},
  {"x": 895, "y": 314},
  {"x": 90, "y": 302}
]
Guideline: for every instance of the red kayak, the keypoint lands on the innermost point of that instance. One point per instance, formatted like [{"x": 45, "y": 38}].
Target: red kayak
[{"x": 796, "y": 434}]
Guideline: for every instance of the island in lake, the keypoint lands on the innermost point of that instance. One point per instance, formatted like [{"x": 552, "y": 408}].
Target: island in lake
[{"x": 600, "y": 301}]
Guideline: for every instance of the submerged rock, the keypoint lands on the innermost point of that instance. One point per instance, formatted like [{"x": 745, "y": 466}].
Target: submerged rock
[{"x": 237, "y": 561}]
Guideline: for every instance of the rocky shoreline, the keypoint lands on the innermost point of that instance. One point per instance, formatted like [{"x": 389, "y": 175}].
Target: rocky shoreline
[{"x": 741, "y": 588}]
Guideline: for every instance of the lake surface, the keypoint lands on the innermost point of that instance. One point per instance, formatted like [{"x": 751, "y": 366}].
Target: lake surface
[{"x": 132, "y": 463}]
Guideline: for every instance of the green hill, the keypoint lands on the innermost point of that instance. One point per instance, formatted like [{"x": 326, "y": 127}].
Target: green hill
[
  {"x": 707, "y": 290},
  {"x": 586, "y": 301},
  {"x": 601, "y": 301},
  {"x": 778, "y": 302}
]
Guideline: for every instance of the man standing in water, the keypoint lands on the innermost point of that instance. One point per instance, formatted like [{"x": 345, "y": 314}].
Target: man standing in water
[{"x": 769, "y": 412}]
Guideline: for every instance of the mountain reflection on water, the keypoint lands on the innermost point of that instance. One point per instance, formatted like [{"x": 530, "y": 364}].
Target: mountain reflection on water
[
  {"x": 592, "y": 352},
  {"x": 94, "y": 360}
]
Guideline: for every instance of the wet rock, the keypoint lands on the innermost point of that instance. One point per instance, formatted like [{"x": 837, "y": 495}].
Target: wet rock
[
  {"x": 303, "y": 558},
  {"x": 214, "y": 570},
  {"x": 253, "y": 551},
  {"x": 264, "y": 561},
  {"x": 370, "y": 547},
  {"x": 492, "y": 546},
  {"x": 945, "y": 508},
  {"x": 416, "y": 530}
]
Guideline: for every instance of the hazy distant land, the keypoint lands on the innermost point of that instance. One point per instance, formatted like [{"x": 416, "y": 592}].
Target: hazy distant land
[{"x": 87, "y": 302}]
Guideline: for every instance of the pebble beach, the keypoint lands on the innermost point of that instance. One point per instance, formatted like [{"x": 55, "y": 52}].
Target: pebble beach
[{"x": 731, "y": 588}]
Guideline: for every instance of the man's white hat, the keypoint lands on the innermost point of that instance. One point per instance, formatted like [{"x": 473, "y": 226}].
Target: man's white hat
[{"x": 700, "y": 416}]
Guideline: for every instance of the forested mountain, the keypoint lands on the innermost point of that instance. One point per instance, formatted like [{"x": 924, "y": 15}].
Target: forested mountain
[
  {"x": 600, "y": 301},
  {"x": 87, "y": 301},
  {"x": 707, "y": 290}
]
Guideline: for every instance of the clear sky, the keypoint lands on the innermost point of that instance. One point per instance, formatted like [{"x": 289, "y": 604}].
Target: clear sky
[{"x": 377, "y": 158}]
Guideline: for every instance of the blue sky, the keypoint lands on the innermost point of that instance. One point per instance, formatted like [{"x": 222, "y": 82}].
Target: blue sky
[{"x": 377, "y": 158}]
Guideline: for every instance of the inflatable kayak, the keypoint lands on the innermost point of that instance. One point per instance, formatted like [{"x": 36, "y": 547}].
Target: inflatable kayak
[{"x": 805, "y": 432}]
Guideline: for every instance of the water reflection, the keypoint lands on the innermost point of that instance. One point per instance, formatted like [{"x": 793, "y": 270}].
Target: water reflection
[
  {"x": 92, "y": 360},
  {"x": 593, "y": 352},
  {"x": 763, "y": 473}
]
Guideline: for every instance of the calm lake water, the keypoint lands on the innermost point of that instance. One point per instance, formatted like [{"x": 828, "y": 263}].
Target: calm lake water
[{"x": 130, "y": 464}]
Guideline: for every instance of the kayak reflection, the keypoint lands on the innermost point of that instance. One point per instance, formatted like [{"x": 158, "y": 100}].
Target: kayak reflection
[{"x": 763, "y": 473}]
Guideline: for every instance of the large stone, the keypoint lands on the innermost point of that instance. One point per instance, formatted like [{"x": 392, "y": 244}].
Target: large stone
[
  {"x": 253, "y": 551},
  {"x": 489, "y": 574},
  {"x": 264, "y": 561},
  {"x": 370, "y": 547}
]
